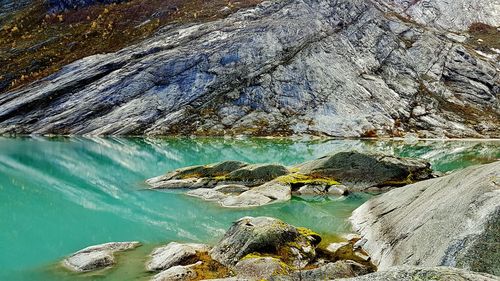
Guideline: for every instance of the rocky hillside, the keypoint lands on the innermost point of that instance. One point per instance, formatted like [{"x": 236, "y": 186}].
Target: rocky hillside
[{"x": 346, "y": 68}]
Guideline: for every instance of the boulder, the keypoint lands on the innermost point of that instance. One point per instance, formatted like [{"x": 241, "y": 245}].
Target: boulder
[
  {"x": 329, "y": 271},
  {"x": 258, "y": 173},
  {"x": 449, "y": 221},
  {"x": 347, "y": 251},
  {"x": 360, "y": 171},
  {"x": 424, "y": 273},
  {"x": 259, "y": 268},
  {"x": 97, "y": 257},
  {"x": 266, "y": 236},
  {"x": 174, "y": 254},
  {"x": 177, "y": 273}
]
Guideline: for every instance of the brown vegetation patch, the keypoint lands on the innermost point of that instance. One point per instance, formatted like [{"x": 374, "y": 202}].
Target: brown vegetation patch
[
  {"x": 484, "y": 37},
  {"x": 34, "y": 44}
]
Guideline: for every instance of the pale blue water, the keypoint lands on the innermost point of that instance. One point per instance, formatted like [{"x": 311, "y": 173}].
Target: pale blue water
[{"x": 59, "y": 195}]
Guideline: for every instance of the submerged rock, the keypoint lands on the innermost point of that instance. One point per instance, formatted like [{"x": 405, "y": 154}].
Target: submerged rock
[
  {"x": 173, "y": 254},
  {"x": 97, "y": 257},
  {"x": 424, "y": 273},
  {"x": 266, "y": 236},
  {"x": 453, "y": 221}
]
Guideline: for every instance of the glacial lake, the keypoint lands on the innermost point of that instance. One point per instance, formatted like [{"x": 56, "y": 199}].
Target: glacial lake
[{"x": 59, "y": 195}]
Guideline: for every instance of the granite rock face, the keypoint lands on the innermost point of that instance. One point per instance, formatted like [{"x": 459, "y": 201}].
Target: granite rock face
[
  {"x": 424, "y": 273},
  {"x": 338, "y": 68},
  {"x": 453, "y": 15},
  {"x": 449, "y": 221}
]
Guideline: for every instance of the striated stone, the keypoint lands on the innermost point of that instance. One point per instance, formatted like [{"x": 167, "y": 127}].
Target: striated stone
[
  {"x": 448, "y": 221},
  {"x": 424, "y": 273},
  {"x": 356, "y": 68}
]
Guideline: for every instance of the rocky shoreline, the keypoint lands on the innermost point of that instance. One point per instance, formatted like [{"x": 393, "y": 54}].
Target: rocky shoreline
[{"x": 443, "y": 228}]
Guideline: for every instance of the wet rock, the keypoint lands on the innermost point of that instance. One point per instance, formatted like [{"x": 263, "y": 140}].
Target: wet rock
[
  {"x": 177, "y": 273},
  {"x": 173, "y": 254},
  {"x": 424, "y": 273},
  {"x": 360, "y": 171},
  {"x": 97, "y": 257},
  {"x": 265, "y": 235},
  {"x": 448, "y": 221}
]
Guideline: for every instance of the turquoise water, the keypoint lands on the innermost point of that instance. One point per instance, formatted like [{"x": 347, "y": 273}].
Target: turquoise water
[{"x": 59, "y": 195}]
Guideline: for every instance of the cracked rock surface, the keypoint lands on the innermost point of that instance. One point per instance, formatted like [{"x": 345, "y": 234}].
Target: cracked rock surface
[{"x": 345, "y": 68}]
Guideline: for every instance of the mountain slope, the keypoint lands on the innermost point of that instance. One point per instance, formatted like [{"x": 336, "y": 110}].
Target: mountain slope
[{"x": 340, "y": 68}]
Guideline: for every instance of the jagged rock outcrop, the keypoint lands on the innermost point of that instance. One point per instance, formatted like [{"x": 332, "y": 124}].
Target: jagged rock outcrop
[
  {"x": 339, "y": 68},
  {"x": 97, "y": 257},
  {"x": 451, "y": 221}
]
